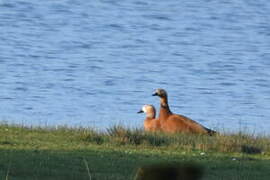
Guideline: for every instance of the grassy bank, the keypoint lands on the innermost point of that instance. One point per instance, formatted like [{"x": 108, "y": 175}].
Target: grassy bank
[{"x": 65, "y": 153}]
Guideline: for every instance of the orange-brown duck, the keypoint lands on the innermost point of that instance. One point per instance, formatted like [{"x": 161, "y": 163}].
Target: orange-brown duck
[
  {"x": 174, "y": 123},
  {"x": 150, "y": 122}
]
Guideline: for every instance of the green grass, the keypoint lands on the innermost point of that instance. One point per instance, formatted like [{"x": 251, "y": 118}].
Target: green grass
[{"x": 66, "y": 153}]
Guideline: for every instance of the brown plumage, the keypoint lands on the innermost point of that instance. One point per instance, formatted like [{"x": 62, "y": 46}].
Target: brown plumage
[
  {"x": 150, "y": 122},
  {"x": 174, "y": 123},
  {"x": 170, "y": 171}
]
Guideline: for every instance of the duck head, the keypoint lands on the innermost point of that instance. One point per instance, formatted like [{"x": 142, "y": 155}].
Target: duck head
[
  {"x": 160, "y": 92},
  {"x": 149, "y": 110}
]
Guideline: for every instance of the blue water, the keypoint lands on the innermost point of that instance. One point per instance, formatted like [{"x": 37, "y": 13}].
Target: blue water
[{"x": 95, "y": 63}]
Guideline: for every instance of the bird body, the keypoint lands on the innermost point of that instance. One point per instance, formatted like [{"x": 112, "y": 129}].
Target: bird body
[
  {"x": 151, "y": 124},
  {"x": 179, "y": 123}
]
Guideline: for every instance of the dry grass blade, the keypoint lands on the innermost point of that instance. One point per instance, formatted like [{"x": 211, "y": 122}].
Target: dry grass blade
[
  {"x": 87, "y": 168},
  {"x": 7, "y": 175}
]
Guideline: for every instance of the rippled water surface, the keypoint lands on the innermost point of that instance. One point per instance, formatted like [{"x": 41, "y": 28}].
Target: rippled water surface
[{"x": 95, "y": 63}]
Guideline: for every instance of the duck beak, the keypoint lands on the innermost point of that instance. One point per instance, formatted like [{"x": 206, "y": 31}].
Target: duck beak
[
  {"x": 155, "y": 94},
  {"x": 141, "y": 111}
]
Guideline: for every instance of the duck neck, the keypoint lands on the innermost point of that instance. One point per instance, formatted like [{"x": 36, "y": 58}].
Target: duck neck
[
  {"x": 164, "y": 108},
  {"x": 151, "y": 115}
]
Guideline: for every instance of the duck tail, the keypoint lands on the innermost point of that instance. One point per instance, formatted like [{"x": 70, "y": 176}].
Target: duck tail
[{"x": 211, "y": 132}]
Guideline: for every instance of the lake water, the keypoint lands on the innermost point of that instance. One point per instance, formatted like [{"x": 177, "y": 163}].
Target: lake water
[{"x": 95, "y": 63}]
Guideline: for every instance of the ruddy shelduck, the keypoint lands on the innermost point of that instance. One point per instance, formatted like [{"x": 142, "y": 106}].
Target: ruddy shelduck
[
  {"x": 174, "y": 123},
  {"x": 150, "y": 122}
]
